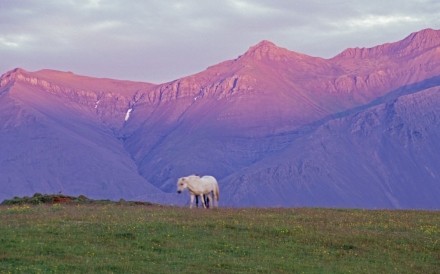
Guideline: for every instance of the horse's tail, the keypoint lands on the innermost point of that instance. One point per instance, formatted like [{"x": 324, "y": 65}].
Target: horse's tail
[{"x": 216, "y": 192}]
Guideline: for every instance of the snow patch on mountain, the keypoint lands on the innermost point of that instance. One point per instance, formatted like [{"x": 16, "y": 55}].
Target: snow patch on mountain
[{"x": 127, "y": 115}]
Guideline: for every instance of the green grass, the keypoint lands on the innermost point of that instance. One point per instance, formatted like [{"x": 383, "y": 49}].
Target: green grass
[{"x": 141, "y": 238}]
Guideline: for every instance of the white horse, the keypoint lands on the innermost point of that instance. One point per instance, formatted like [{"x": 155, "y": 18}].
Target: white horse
[{"x": 199, "y": 186}]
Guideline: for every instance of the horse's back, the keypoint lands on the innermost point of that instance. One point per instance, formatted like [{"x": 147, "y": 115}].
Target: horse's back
[{"x": 208, "y": 178}]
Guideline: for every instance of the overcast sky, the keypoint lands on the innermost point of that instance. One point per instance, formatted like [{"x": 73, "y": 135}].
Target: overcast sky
[{"x": 162, "y": 40}]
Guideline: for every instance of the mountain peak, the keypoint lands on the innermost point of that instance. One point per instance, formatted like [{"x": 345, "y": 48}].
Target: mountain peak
[
  {"x": 427, "y": 33},
  {"x": 416, "y": 43},
  {"x": 14, "y": 71},
  {"x": 265, "y": 44},
  {"x": 413, "y": 44},
  {"x": 265, "y": 50},
  {"x": 11, "y": 76},
  {"x": 425, "y": 38}
]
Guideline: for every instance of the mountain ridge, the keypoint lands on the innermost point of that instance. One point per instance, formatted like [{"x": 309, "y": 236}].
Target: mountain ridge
[
  {"x": 424, "y": 40},
  {"x": 245, "y": 121}
]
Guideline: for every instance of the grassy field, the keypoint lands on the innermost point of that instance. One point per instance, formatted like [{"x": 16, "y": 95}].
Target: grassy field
[{"x": 130, "y": 238}]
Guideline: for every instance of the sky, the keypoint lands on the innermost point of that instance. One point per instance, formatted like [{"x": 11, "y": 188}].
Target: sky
[{"x": 162, "y": 40}]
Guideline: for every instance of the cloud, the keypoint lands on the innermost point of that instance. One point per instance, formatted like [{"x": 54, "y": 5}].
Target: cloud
[
  {"x": 12, "y": 42},
  {"x": 157, "y": 41}
]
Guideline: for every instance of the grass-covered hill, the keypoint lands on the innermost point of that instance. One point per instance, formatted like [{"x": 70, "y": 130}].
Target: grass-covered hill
[{"x": 84, "y": 236}]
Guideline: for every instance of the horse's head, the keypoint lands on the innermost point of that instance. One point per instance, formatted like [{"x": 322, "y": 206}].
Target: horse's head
[{"x": 181, "y": 184}]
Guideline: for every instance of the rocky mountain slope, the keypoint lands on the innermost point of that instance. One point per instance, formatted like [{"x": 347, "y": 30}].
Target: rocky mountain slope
[
  {"x": 276, "y": 127},
  {"x": 55, "y": 138}
]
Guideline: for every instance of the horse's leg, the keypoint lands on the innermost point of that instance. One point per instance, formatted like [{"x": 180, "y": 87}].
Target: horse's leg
[
  {"x": 209, "y": 199},
  {"x": 191, "y": 201},
  {"x": 203, "y": 200},
  {"x": 197, "y": 200}
]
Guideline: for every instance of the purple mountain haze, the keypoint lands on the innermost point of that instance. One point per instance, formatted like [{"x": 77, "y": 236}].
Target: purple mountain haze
[{"x": 275, "y": 127}]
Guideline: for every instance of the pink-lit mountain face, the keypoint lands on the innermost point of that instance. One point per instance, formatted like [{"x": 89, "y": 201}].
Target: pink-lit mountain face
[{"x": 276, "y": 127}]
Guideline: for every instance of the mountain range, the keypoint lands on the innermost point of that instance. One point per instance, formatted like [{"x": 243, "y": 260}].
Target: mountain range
[{"x": 277, "y": 128}]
